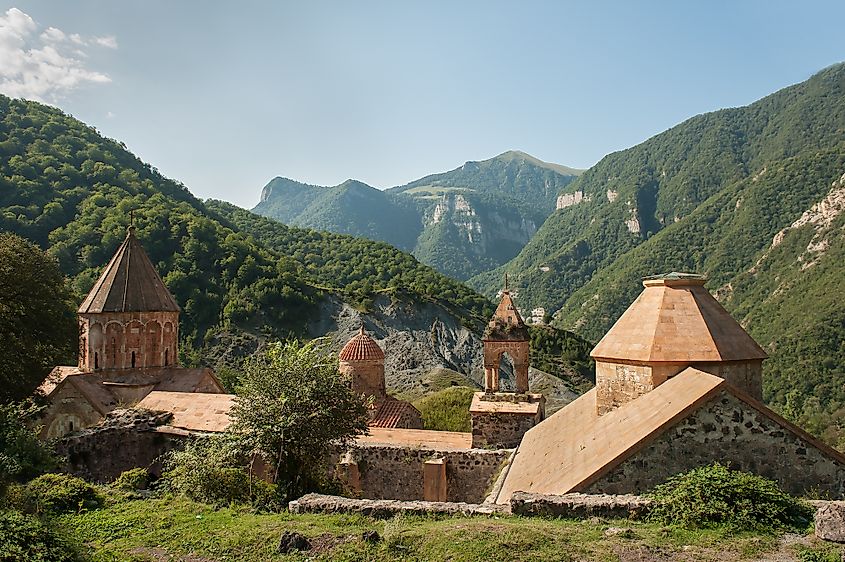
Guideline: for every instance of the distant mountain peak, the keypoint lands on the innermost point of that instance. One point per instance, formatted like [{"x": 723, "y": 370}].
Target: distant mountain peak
[{"x": 524, "y": 156}]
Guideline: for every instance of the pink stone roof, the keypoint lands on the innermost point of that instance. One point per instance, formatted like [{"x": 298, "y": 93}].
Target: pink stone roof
[
  {"x": 390, "y": 412},
  {"x": 361, "y": 348},
  {"x": 506, "y": 324},
  {"x": 481, "y": 406},
  {"x": 129, "y": 283},
  {"x": 677, "y": 320},
  {"x": 422, "y": 438},
  {"x": 193, "y": 411}
]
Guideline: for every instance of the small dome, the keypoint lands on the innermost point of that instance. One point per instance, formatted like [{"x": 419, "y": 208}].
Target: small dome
[{"x": 361, "y": 348}]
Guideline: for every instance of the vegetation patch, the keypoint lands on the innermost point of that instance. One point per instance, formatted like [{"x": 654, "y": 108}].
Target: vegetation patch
[
  {"x": 447, "y": 409},
  {"x": 716, "y": 495}
]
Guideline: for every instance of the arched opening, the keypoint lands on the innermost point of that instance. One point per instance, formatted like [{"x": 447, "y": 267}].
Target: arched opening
[
  {"x": 166, "y": 357},
  {"x": 96, "y": 360},
  {"x": 506, "y": 372},
  {"x": 133, "y": 359}
]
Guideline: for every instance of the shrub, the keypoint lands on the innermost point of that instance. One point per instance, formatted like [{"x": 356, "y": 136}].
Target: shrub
[
  {"x": 25, "y": 537},
  {"x": 22, "y": 455},
  {"x": 132, "y": 480},
  {"x": 717, "y": 495},
  {"x": 212, "y": 471},
  {"x": 447, "y": 409},
  {"x": 55, "y": 493}
]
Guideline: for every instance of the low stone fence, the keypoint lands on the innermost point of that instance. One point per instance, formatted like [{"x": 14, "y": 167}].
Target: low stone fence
[
  {"x": 579, "y": 506},
  {"x": 395, "y": 472},
  {"x": 383, "y": 509}
]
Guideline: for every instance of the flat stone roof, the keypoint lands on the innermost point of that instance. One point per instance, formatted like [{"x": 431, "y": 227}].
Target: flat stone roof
[
  {"x": 421, "y": 438},
  {"x": 194, "y": 411},
  {"x": 527, "y": 407}
]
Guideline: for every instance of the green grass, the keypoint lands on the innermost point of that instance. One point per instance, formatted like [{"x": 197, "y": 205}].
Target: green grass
[{"x": 175, "y": 528}]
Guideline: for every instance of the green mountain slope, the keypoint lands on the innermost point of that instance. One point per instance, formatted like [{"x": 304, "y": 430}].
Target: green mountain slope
[
  {"x": 461, "y": 222},
  {"x": 69, "y": 189},
  {"x": 711, "y": 195}
]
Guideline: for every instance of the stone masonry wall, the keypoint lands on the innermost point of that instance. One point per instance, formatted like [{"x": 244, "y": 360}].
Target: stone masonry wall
[
  {"x": 619, "y": 383},
  {"x": 396, "y": 472},
  {"x": 500, "y": 429},
  {"x": 126, "y": 439},
  {"x": 745, "y": 375},
  {"x": 727, "y": 430}
]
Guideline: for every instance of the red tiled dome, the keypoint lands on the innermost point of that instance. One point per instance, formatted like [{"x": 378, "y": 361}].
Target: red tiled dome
[{"x": 361, "y": 348}]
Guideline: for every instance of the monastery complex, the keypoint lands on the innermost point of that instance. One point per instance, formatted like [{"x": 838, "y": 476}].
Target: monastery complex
[{"x": 678, "y": 385}]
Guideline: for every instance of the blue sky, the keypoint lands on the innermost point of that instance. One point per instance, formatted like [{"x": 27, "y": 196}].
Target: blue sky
[{"x": 223, "y": 96}]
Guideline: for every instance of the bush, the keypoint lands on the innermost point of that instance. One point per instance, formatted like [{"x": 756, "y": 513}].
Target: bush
[
  {"x": 25, "y": 537},
  {"x": 211, "y": 471},
  {"x": 132, "y": 480},
  {"x": 447, "y": 409},
  {"x": 717, "y": 495},
  {"x": 55, "y": 493},
  {"x": 22, "y": 455}
]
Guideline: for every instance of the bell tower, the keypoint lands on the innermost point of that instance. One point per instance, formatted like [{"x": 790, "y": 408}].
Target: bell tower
[
  {"x": 129, "y": 320},
  {"x": 499, "y": 418}
]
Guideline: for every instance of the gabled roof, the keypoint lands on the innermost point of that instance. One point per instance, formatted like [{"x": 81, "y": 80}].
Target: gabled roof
[
  {"x": 194, "y": 411},
  {"x": 675, "y": 319},
  {"x": 129, "y": 283},
  {"x": 361, "y": 348},
  {"x": 575, "y": 447}
]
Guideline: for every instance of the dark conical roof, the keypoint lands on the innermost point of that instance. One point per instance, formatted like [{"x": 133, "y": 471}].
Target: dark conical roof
[{"x": 129, "y": 284}]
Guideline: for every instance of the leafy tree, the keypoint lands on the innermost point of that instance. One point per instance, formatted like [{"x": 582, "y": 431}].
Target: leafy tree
[
  {"x": 37, "y": 325},
  {"x": 22, "y": 454},
  {"x": 294, "y": 408}
]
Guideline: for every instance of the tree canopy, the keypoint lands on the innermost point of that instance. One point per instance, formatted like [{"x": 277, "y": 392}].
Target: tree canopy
[{"x": 37, "y": 321}]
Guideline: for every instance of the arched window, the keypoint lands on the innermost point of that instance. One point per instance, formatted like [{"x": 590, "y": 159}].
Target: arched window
[
  {"x": 96, "y": 360},
  {"x": 166, "y": 354},
  {"x": 133, "y": 359}
]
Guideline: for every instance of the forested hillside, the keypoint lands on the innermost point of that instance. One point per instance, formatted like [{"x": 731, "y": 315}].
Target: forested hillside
[
  {"x": 751, "y": 197},
  {"x": 69, "y": 189},
  {"x": 461, "y": 222}
]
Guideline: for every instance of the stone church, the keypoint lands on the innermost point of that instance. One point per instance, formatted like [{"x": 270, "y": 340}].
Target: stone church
[{"x": 128, "y": 348}]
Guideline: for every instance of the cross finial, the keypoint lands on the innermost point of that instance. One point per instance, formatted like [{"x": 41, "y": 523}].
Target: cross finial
[
  {"x": 131, "y": 228},
  {"x": 506, "y": 282}
]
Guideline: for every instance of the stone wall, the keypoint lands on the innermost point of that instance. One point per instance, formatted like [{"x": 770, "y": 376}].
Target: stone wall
[
  {"x": 728, "y": 430},
  {"x": 501, "y": 429},
  {"x": 396, "y": 472},
  {"x": 127, "y": 340},
  {"x": 126, "y": 439},
  {"x": 619, "y": 383},
  {"x": 67, "y": 411},
  {"x": 579, "y": 506},
  {"x": 745, "y": 375},
  {"x": 367, "y": 377},
  {"x": 383, "y": 509}
]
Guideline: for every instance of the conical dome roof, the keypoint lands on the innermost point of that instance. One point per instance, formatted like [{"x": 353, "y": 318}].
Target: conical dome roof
[
  {"x": 675, "y": 319},
  {"x": 129, "y": 284},
  {"x": 361, "y": 348}
]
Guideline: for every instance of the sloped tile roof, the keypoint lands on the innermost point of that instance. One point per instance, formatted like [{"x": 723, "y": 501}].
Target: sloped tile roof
[
  {"x": 361, "y": 348},
  {"x": 506, "y": 324},
  {"x": 390, "y": 412},
  {"x": 675, "y": 319},
  {"x": 129, "y": 283}
]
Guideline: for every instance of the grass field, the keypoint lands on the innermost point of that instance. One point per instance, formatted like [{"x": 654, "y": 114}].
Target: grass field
[{"x": 181, "y": 530}]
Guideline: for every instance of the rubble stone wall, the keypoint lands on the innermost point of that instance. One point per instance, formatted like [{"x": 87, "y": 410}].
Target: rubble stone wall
[
  {"x": 728, "y": 430},
  {"x": 396, "y": 472},
  {"x": 498, "y": 429}
]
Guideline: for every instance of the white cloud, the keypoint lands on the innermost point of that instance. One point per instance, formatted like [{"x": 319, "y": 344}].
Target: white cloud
[
  {"x": 44, "y": 66},
  {"x": 109, "y": 41}
]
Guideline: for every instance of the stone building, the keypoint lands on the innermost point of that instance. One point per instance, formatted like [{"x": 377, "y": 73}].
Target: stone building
[
  {"x": 362, "y": 360},
  {"x": 678, "y": 386},
  {"x": 128, "y": 347},
  {"x": 501, "y": 418}
]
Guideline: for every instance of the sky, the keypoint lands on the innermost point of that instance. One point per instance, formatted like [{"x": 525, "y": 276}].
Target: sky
[{"x": 224, "y": 96}]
